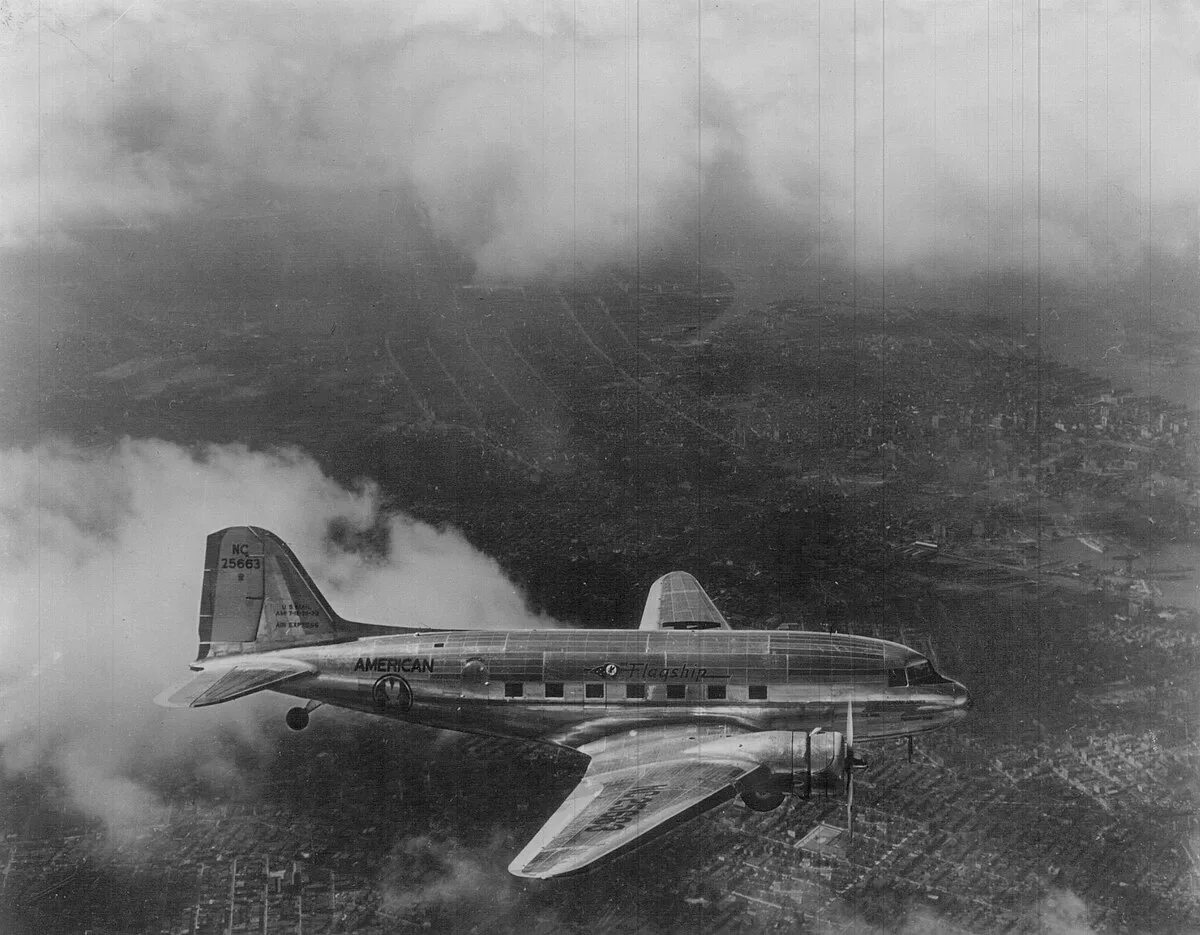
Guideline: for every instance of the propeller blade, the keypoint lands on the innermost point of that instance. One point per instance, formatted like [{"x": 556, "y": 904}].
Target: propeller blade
[
  {"x": 850, "y": 767},
  {"x": 850, "y": 806},
  {"x": 808, "y": 765}
]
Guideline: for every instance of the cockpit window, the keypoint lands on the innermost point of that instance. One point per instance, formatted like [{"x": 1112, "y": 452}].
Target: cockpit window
[
  {"x": 922, "y": 673},
  {"x": 896, "y": 678}
]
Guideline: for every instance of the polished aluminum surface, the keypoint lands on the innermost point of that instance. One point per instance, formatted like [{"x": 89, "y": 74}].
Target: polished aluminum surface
[{"x": 676, "y": 716}]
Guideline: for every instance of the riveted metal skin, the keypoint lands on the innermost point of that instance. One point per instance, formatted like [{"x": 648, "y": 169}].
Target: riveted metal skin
[
  {"x": 464, "y": 682},
  {"x": 676, "y": 717}
]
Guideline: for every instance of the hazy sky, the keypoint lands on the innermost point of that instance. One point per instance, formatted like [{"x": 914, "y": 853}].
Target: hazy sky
[{"x": 544, "y": 137}]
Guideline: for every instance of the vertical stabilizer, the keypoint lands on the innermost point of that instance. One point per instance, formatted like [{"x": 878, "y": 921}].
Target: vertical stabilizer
[
  {"x": 677, "y": 602},
  {"x": 257, "y": 597}
]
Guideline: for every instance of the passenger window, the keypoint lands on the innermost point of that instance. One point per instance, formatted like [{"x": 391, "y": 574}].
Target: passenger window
[
  {"x": 675, "y": 692},
  {"x": 635, "y": 691},
  {"x": 554, "y": 689},
  {"x": 514, "y": 689},
  {"x": 758, "y": 692},
  {"x": 593, "y": 691},
  {"x": 716, "y": 692}
]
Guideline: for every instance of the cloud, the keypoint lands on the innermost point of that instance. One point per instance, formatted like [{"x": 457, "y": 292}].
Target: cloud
[
  {"x": 1061, "y": 912},
  {"x": 101, "y": 552},
  {"x": 1057, "y": 912},
  {"x": 424, "y": 875},
  {"x": 538, "y": 139},
  {"x": 438, "y": 881}
]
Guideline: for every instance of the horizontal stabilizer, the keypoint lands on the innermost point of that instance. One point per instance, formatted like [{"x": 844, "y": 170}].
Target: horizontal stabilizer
[{"x": 215, "y": 685}]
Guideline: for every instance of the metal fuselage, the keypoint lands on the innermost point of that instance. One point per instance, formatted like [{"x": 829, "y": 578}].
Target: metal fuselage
[{"x": 572, "y": 686}]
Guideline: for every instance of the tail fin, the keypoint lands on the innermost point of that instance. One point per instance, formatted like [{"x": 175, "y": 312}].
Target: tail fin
[{"x": 257, "y": 597}]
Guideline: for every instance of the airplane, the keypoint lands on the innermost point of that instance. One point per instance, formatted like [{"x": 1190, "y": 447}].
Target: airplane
[{"x": 678, "y": 716}]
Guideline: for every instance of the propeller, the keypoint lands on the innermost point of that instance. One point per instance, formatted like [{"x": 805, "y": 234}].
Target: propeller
[
  {"x": 808, "y": 765},
  {"x": 850, "y": 767}
]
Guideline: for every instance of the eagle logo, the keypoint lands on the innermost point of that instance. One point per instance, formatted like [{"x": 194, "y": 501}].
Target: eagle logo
[{"x": 393, "y": 693}]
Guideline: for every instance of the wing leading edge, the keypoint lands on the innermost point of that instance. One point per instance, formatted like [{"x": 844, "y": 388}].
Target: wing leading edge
[{"x": 635, "y": 789}]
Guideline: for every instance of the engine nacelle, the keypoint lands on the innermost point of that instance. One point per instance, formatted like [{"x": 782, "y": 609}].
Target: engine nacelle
[
  {"x": 799, "y": 763},
  {"x": 762, "y": 801},
  {"x": 818, "y": 763}
]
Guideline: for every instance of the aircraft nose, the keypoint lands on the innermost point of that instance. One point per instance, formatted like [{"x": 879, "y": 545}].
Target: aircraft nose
[{"x": 962, "y": 698}]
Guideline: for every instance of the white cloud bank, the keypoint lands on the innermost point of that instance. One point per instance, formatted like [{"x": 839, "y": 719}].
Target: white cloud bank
[
  {"x": 101, "y": 555},
  {"x": 551, "y": 138}
]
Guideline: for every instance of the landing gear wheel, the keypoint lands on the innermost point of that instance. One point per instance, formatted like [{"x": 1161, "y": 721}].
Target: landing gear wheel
[
  {"x": 297, "y": 718},
  {"x": 762, "y": 801}
]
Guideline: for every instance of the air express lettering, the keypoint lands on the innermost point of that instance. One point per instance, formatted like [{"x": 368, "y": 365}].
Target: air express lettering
[
  {"x": 625, "y": 809},
  {"x": 392, "y": 664}
]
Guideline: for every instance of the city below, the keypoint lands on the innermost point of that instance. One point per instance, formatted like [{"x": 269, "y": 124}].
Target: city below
[{"x": 926, "y": 476}]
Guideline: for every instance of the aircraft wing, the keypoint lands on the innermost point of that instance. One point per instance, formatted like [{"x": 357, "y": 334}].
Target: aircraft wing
[
  {"x": 215, "y": 684},
  {"x": 677, "y": 602},
  {"x": 628, "y": 796}
]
